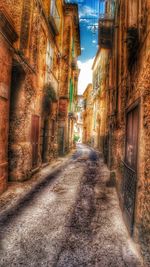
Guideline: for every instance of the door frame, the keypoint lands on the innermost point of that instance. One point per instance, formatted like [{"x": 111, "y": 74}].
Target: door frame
[
  {"x": 45, "y": 140},
  {"x": 136, "y": 104},
  {"x": 35, "y": 165}
]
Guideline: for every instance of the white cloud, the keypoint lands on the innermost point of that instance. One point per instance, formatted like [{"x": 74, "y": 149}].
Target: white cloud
[
  {"x": 84, "y": 20},
  {"x": 94, "y": 41},
  {"x": 85, "y": 76},
  {"x": 75, "y": 1},
  {"x": 87, "y": 11},
  {"x": 82, "y": 48}
]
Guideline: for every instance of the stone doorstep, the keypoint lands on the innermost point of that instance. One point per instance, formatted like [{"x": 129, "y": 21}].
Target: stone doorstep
[
  {"x": 3, "y": 185},
  {"x": 19, "y": 191},
  {"x": 45, "y": 164},
  {"x": 33, "y": 171}
]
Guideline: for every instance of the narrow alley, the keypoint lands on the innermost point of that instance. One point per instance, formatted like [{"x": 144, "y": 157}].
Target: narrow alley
[
  {"x": 75, "y": 133},
  {"x": 71, "y": 218}
]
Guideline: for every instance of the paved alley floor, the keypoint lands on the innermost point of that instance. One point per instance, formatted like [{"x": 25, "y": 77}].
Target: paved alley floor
[{"x": 71, "y": 219}]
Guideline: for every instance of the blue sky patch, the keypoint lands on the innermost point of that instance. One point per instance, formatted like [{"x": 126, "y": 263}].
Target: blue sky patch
[{"x": 88, "y": 16}]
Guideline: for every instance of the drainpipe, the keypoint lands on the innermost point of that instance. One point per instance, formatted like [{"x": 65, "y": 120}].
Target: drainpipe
[{"x": 117, "y": 63}]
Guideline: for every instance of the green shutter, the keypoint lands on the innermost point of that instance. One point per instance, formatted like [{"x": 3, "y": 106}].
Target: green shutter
[{"x": 71, "y": 95}]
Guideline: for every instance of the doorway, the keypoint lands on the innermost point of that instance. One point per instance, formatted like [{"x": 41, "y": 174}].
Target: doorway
[
  {"x": 35, "y": 139},
  {"x": 61, "y": 141},
  {"x": 130, "y": 165},
  {"x": 45, "y": 140},
  {"x": 16, "y": 122}
]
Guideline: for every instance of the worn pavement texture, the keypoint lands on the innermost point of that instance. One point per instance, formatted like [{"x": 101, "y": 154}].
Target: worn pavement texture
[{"x": 70, "y": 219}]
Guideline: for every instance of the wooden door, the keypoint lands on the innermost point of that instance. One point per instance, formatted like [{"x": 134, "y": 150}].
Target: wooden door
[
  {"x": 35, "y": 139},
  {"x": 130, "y": 165},
  {"x": 131, "y": 138},
  {"x": 45, "y": 140}
]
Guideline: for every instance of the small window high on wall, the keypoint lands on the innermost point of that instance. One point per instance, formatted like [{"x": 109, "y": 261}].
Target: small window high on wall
[
  {"x": 55, "y": 14},
  {"x": 106, "y": 7}
]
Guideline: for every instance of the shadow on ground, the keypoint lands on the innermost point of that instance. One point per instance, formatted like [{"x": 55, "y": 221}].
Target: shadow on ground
[
  {"x": 94, "y": 235},
  {"x": 92, "y": 241}
]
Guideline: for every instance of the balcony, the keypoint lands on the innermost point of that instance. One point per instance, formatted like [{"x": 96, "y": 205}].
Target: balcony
[
  {"x": 106, "y": 29},
  {"x": 129, "y": 184},
  {"x": 106, "y": 23},
  {"x": 54, "y": 18}
]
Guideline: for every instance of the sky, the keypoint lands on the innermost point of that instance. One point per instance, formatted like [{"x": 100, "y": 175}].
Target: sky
[{"x": 88, "y": 18}]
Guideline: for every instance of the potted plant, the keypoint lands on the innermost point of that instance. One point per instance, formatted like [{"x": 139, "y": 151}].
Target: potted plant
[{"x": 49, "y": 97}]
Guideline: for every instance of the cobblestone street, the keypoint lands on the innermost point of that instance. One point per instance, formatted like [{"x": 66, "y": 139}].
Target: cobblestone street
[{"x": 71, "y": 218}]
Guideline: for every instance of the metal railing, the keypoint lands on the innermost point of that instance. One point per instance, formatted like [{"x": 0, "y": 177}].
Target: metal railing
[{"x": 129, "y": 191}]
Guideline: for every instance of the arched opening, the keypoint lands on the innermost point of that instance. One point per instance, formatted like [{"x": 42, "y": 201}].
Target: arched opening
[
  {"x": 48, "y": 122},
  {"x": 16, "y": 123}
]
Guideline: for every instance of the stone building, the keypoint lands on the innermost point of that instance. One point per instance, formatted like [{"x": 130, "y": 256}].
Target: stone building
[
  {"x": 127, "y": 37},
  {"x": 88, "y": 121},
  {"x": 31, "y": 55},
  {"x": 78, "y": 129},
  {"x": 7, "y": 38},
  {"x": 100, "y": 73},
  {"x": 69, "y": 77}
]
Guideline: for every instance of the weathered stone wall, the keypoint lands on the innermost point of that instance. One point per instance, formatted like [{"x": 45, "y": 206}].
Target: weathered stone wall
[
  {"x": 7, "y": 37},
  {"x": 67, "y": 74},
  {"x": 26, "y": 101},
  {"x": 21, "y": 108},
  {"x": 88, "y": 115},
  {"x": 5, "y": 66},
  {"x": 27, "y": 83},
  {"x": 14, "y": 9},
  {"x": 142, "y": 216},
  {"x": 27, "y": 77},
  {"x": 132, "y": 85},
  {"x": 100, "y": 87}
]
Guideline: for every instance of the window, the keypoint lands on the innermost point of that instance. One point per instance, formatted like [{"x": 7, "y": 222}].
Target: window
[
  {"x": 49, "y": 60},
  {"x": 106, "y": 8},
  {"x": 132, "y": 138},
  {"x": 55, "y": 14},
  {"x": 49, "y": 56},
  {"x": 52, "y": 11}
]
